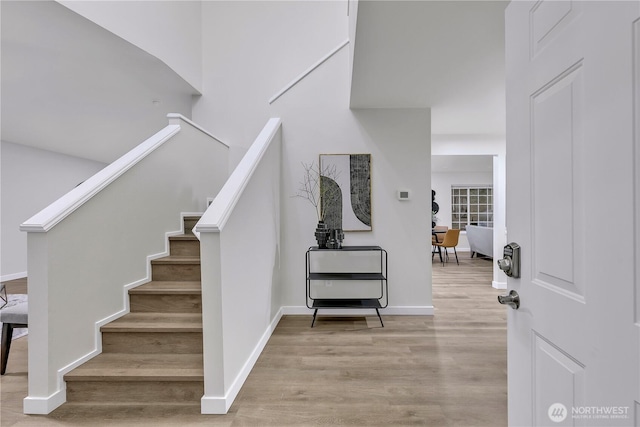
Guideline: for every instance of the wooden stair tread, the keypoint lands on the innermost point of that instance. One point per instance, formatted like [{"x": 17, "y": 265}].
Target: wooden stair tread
[
  {"x": 173, "y": 259},
  {"x": 152, "y": 409},
  {"x": 140, "y": 367},
  {"x": 156, "y": 322},
  {"x": 188, "y": 236},
  {"x": 189, "y": 287}
]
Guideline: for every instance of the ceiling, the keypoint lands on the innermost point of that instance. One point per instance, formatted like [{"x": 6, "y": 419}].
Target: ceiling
[
  {"x": 67, "y": 85},
  {"x": 447, "y": 55},
  {"x": 60, "y": 70}
]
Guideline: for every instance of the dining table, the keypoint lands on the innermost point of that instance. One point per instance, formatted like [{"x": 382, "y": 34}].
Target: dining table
[{"x": 439, "y": 236}]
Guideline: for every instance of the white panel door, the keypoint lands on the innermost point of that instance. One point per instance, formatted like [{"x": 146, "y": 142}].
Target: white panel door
[{"x": 572, "y": 206}]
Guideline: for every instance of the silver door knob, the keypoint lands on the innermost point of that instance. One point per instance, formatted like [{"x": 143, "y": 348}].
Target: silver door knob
[{"x": 512, "y": 300}]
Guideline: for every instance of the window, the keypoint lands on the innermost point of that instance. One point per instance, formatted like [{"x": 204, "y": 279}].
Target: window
[{"x": 471, "y": 206}]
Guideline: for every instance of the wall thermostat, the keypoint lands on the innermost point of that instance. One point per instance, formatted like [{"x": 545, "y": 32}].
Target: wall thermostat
[{"x": 404, "y": 194}]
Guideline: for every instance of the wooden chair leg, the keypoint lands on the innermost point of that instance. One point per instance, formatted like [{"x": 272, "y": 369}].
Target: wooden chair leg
[{"x": 7, "y": 334}]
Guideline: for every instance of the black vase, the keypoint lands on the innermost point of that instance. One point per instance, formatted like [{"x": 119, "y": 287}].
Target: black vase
[
  {"x": 336, "y": 235},
  {"x": 322, "y": 235}
]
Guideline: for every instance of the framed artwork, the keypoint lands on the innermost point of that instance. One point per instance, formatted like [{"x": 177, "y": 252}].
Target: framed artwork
[{"x": 345, "y": 190}]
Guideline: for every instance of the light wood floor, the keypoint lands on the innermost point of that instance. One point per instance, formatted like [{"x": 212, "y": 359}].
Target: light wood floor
[
  {"x": 445, "y": 370},
  {"x": 17, "y": 286}
]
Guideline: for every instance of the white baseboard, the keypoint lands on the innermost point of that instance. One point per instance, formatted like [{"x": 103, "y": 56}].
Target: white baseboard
[
  {"x": 13, "y": 276},
  {"x": 426, "y": 310},
  {"x": 44, "y": 405},
  {"x": 221, "y": 405},
  {"x": 215, "y": 405},
  {"x": 499, "y": 285}
]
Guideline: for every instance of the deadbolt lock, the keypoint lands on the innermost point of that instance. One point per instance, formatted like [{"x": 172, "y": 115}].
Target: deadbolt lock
[{"x": 510, "y": 262}]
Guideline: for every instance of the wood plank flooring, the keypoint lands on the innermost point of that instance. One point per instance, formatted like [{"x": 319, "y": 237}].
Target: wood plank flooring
[
  {"x": 17, "y": 286},
  {"x": 445, "y": 370}
]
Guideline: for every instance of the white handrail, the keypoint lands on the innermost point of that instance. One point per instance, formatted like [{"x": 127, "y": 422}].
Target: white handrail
[
  {"x": 308, "y": 71},
  {"x": 219, "y": 211},
  {"x": 47, "y": 218},
  {"x": 174, "y": 118}
]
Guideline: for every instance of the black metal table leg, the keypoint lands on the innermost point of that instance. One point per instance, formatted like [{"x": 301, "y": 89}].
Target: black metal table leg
[
  {"x": 314, "y": 317},
  {"x": 380, "y": 317}
]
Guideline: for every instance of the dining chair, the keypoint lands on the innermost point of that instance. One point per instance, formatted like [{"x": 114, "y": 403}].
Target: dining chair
[
  {"x": 11, "y": 317},
  {"x": 450, "y": 241}
]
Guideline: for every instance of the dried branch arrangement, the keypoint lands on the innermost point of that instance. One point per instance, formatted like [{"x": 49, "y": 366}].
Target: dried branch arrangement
[{"x": 311, "y": 187}]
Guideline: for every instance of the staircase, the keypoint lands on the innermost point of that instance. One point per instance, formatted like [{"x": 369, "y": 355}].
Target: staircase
[{"x": 152, "y": 355}]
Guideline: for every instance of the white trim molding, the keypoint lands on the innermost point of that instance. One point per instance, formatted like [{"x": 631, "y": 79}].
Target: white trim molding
[
  {"x": 44, "y": 405},
  {"x": 307, "y": 72},
  {"x": 499, "y": 285},
  {"x": 175, "y": 118}
]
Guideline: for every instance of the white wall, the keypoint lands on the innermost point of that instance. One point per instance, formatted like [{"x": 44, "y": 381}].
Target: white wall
[
  {"x": 244, "y": 68},
  {"x": 169, "y": 30},
  {"x": 441, "y": 182},
  {"x": 73, "y": 87},
  {"x": 30, "y": 180},
  {"x": 253, "y": 49}
]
